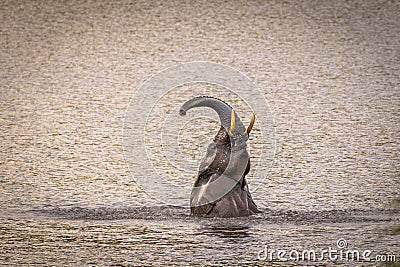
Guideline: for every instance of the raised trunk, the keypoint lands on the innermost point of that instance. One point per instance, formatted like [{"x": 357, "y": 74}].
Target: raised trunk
[{"x": 220, "y": 188}]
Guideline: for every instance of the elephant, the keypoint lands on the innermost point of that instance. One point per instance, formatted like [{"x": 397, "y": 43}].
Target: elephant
[{"x": 220, "y": 188}]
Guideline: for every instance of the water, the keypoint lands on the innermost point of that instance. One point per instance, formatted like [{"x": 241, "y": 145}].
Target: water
[{"x": 329, "y": 72}]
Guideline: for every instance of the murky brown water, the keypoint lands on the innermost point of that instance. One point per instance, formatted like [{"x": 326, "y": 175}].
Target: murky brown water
[{"x": 329, "y": 71}]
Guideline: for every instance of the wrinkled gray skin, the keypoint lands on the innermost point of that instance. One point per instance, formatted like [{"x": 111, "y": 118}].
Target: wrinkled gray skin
[{"x": 220, "y": 188}]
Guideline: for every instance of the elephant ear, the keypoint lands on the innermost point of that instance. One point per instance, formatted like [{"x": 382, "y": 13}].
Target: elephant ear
[{"x": 209, "y": 157}]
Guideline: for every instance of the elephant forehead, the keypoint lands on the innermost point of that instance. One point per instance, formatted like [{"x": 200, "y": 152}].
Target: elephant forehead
[
  {"x": 216, "y": 158},
  {"x": 209, "y": 157}
]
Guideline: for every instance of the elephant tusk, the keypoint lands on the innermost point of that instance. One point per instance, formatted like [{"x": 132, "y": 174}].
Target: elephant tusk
[
  {"x": 253, "y": 118},
  {"x": 232, "y": 123}
]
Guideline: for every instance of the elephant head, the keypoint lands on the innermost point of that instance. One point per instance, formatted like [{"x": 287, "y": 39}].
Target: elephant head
[{"x": 220, "y": 187}]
